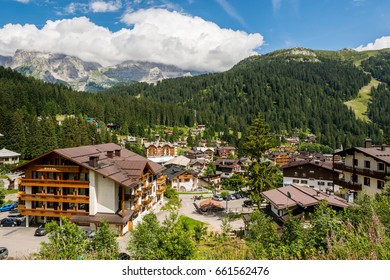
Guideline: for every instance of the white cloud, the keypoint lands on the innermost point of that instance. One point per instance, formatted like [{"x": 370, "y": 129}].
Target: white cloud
[
  {"x": 23, "y": 1},
  {"x": 105, "y": 6},
  {"x": 381, "y": 43},
  {"x": 156, "y": 35}
]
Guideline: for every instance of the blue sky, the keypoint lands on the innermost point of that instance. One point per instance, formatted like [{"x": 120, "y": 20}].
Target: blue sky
[{"x": 194, "y": 34}]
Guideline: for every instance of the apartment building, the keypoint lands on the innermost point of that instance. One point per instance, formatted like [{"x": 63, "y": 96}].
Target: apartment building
[
  {"x": 90, "y": 184},
  {"x": 363, "y": 168}
]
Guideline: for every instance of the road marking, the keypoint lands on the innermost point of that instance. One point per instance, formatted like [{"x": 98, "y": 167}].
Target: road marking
[{"x": 8, "y": 233}]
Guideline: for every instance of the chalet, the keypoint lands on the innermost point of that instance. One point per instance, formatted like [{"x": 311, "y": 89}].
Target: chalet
[
  {"x": 198, "y": 164},
  {"x": 8, "y": 157},
  {"x": 225, "y": 152},
  {"x": 227, "y": 167},
  {"x": 208, "y": 151},
  {"x": 316, "y": 174},
  {"x": 299, "y": 199},
  {"x": 211, "y": 180},
  {"x": 160, "y": 149},
  {"x": 90, "y": 184},
  {"x": 293, "y": 140},
  {"x": 280, "y": 158},
  {"x": 364, "y": 168},
  {"x": 180, "y": 161},
  {"x": 180, "y": 179}
]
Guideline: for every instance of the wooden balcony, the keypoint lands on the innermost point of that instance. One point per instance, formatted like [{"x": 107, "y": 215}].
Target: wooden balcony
[
  {"x": 348, "y": 185},
  {"x": 57, "y": 168},
  {"x": 50, "y": 212},
  {"x": 146, "y": 200},
  {"x": 54, "y": 183},
  {"x": 185, "y": 177},
  {"x": 161, "y": 180},
  {"x": 161, "y": 190},
  {"x": 55, "y": 198},
  {"x": 361, "y": 171}
]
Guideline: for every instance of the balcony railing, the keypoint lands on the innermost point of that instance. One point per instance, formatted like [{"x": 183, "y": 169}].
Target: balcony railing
[
  {"x": 161, "y": 180},
  {"x": 348, "y": 185},
  {"x": 161, "y": 190},
  {"x": 55, "y": 198},
  {"x": 50, "y": 212},
  {"x": 54, "y": 183},
  {"x": 361, "y": 171}
]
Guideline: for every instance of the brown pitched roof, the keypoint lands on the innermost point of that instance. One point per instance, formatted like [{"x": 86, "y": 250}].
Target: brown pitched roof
[
  {"x": 323, "y": 164},
  {"x": 124, "y": 169},
  {"x": 304, "y": 196},
  {"x": 380, "y": 153}
]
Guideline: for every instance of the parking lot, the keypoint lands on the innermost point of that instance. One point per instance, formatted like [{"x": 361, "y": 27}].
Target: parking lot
[{"x": 21, "y": 241}]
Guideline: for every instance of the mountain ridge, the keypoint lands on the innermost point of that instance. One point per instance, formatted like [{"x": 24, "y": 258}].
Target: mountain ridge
[{"x": 88, "y": 76}]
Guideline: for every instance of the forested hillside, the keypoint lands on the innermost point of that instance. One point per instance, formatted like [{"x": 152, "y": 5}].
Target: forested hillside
[
  {"x": 295, "y": 90},
  {"x": 292, "y": 91},
  {"x": 379, "y": 108}
]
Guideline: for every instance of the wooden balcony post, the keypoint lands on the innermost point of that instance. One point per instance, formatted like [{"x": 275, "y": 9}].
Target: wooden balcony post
[{"x": 123, "y": 201}]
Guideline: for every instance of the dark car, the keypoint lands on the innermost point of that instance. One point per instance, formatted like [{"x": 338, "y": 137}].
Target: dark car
[
  {"x": 40, "y": 231},
  {"x": 8, "y": 222},
  {"x": 248, "y": 203},
  {"x": 123, "y": 256},
  {"x": 17, "y": 217},
  {"x": 3, "y": 253}
]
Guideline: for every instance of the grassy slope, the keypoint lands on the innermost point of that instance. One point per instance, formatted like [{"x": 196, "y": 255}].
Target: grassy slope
[{"x": 360, "y": 104}]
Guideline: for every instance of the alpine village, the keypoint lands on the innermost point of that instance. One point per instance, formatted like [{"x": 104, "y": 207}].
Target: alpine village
[{"x": 285, "y": 156}]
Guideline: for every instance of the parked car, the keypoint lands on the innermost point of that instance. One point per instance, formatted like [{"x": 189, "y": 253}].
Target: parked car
[
  {"x": 7, "y": 207},
  {"x": 238, "y": 195},
  {"x": 40, "y": 231},
  {"x": 248, "y": 203},
  {"x": 123, "y": 256},
  {"x": 17, "y": 217},
  {"x": 3, "y": 253},
  {"x": 8, "y": 222},
  {"x": 217, "y": 198}
]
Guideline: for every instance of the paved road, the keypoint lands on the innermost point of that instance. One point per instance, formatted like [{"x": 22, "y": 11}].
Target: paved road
[
  {"x": 21, "y": 241},
  {"x": 214, "y": 221}
]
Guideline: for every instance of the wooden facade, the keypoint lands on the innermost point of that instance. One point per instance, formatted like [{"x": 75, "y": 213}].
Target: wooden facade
[{"x": 114, "y": 185}]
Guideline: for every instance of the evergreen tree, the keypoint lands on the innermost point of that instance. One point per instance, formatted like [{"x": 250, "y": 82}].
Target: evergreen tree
[{"x": 260, "y": 175}]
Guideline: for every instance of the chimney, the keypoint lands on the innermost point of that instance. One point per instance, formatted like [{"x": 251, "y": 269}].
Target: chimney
[
  {"x": 118, "y": 153},
  {"x": 110, "y": 154},
  {"x": 93, "y": 161},
  {"x": 367, "y": 143},
  {"x": 383, "y": 148}
]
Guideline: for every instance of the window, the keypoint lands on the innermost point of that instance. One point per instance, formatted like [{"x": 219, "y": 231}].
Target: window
[
  {"x": 311, "y": 171},
  {"x": 366, "y": 181},
  {"x": 380, "y": 185},
  {"x": 330, "y": 184},
  {"x": 321, "y": 183},
  {"x": 303, "y": 174},
  {"x": 354, "y": 178},
  {"x": 367, "y": 164},
  {"x": 296, "y": 174},
  {"x": 303, "y": 181},
  {"x": 355, "y": 162},
  {"x": 295, "y": 181},
  {"x": 381, "y": 166}
]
